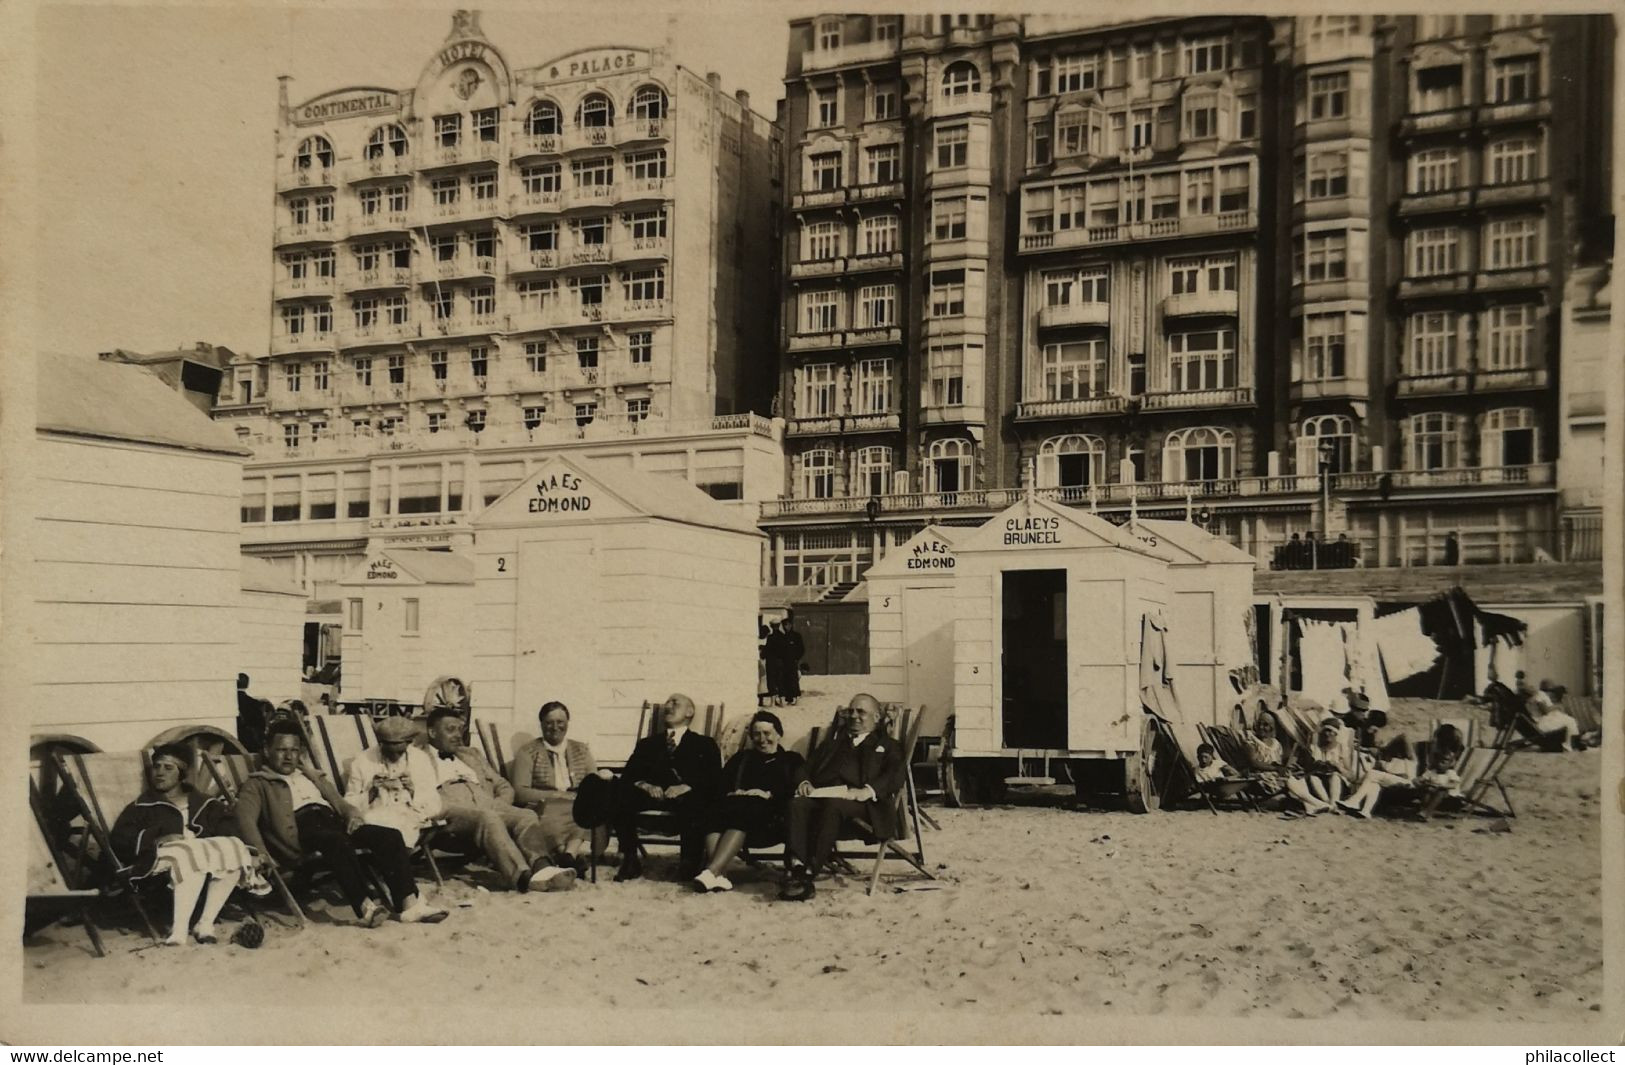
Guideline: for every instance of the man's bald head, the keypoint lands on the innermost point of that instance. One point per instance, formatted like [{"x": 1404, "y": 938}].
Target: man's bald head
[
  {"x": 862, "y": 713},
  {"x": 679, "y": 710}
]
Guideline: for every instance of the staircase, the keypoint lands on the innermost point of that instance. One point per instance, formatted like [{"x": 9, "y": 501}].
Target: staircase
[{"x": 838, "y": 592}]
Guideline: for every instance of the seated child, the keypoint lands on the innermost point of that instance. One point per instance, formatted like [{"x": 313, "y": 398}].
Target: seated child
[{"x": 1209, "y": 766}]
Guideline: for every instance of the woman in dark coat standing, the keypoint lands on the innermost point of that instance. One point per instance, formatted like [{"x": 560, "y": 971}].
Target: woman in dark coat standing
[
  {"x": 773, "y": 651},
  {"x": 757, "y": 783}
]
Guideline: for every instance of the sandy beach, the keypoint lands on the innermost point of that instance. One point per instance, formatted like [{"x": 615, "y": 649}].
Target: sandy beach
[{"x": 1049, "y": 909}]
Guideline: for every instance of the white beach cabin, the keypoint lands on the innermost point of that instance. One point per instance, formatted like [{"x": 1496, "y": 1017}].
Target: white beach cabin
[
  {"x": 271, "y": 631},
  {"x": 133, "y": 565},
  {"x": 408, "y": 620},
  {"x": 603, "y": 587},
  {"x": 912, "y": 605}
]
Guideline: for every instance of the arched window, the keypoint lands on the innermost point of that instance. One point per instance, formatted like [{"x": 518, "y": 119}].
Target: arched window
[
  {"x": 1074, "y": 461},
  {"x": 1433, "y": 441},
  {"x": 649, "y": 102},
  {"x": 1200, "y": 453},
  {"x": 1509, "y": 438},
  {"x": 1329, "y": 436},
  {"x": 818, "y": 474},
  {"x": 948, "y": 465},
  {"x": 386, "y": 140},
  {"x": 595, "y": 111},
  {"x": 961, "y": 79},
  {"x": 313, "y": 151},
  {"x": 544, "y": 119},
  {"x": 872, "y": 468}
]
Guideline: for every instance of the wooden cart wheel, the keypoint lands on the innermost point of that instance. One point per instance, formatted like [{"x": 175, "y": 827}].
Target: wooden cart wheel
[
  {"x": 948, "y": 772},
  {"x": 1140, "y": 772},
  {"x": 56, "y": 808},
  {"x": 204, "y": 738},
  {"x": 449, "y": 692}
]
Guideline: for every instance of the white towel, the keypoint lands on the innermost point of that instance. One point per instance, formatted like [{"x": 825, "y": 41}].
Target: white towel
[
  {"x": 1406, "y": 650},
  {"x": 1321, "y": 660}
]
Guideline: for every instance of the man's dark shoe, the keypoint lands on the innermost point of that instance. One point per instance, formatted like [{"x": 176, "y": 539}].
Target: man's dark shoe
[
  {"x": 797, "y": 889},
  {"x": 631, "y": 868},
  {"x": 522, "y": 885}
]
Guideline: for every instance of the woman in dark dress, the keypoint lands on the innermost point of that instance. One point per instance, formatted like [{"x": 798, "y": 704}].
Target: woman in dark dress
[{"x": 757, "y": 785}]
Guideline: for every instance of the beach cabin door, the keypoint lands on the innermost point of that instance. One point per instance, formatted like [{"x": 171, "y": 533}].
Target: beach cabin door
[
  {"x": 556, "y": 652},
  {"x": 1034, "y": 659},
  {"x": 928, "y": 641}
]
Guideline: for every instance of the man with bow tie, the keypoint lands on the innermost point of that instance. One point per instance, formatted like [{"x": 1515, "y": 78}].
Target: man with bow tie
[
  {"x": 856, "y": 774},
  {"x": 477, "y": 805},
  {"x": 677, "y": 769}
]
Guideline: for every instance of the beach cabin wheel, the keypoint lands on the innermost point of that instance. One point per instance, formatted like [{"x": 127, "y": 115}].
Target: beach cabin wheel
[
  {"x": 1140, "y": 772},
  {"x": 56, "y": 806},
  {"x": 204, "y": 738},
  {"x": 948, "y": 774}
]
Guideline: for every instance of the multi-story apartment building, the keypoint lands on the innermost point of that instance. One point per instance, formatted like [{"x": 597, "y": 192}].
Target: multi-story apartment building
[
  {"x": 1291, "y": 275},
  {"x": 500, "y": 261}
]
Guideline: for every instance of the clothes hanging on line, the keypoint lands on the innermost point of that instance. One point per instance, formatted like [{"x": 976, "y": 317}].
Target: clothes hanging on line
[
  {"x": 1405, "y": 649},
  {"x": 1321, "y": 661}
]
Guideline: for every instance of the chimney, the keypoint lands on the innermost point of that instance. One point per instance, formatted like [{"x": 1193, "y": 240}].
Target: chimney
[
  {"x": 714, "y": 80},
  {"x": 743, "y": 97}
]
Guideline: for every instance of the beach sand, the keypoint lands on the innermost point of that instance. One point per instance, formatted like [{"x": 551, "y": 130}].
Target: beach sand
[{"x": 1047, "y": 910}]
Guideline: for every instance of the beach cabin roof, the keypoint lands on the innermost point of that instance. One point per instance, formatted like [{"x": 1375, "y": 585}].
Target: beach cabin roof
[
  {"x": 77, "y": 396},
  {"x": 568, "y": 490},
  {"x": 262, "y": 575},
  {"x": 1195, "y": 541},
  {"x": 403, "y": 566},
  {"x": 1039, "y": 524},
  {"x": 931, "y": 550}
]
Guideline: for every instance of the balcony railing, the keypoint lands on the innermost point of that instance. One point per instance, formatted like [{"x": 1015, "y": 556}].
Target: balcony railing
[
  {"x": 817, "y": 268},
  {"x": 1195, "y": 303},
  {"x": 1213, "y": 397},
  {"x": 1451, "y": 382},
  {"x": 378, "y": 333},
  {"x": 846, "y": 54},
  {"x": 309, "y": 340},
  {"x": 1518, "y": 111},
  {"x": 868, "y": 337},
  {"x": 586, "y": 254},
  {"x": 1535, "y": 475},
  {"x": 381, "y": 277},
  {"x": 589, "y": 196},
  {"x": 1126, "y": 232},
  {"x": 643, "y": 248},
  {"x": 550, "y": 200},
  {"x": 886, "y": 190},
  {"x": 633, "y": 189},
  {"x": 387, "y": 165},
  {"x": 380, "y": 222},
  {"x": 1435, "y": 285},
  {"x": 310, "y": 177},
  {"x": 1429, "y": 202},
  {"x": 538, "y": 144},
  {"x": 818, "y": 198},
  {"x": 1450, "y": 118},
  {"x": 892, "y": 260},
  {"x": 1033, "y": 410},
  {"x": 1514, "y": 192},
  {"x": 1534, "y": 276},
  {"x": 968, "y": 103},
  {"x": 1460, "y": 382},
  {"x": 466, "y": 151},
  {"x": 642, "y": 129},
  {"x": 288, "y": 288},
  {"x": 588, "y": 137},
  {"x": 1509, "y": 379},
  {"x": 814, "y": 341},
  {"x": 843, "y": 423},
  {"x": 1069, "y": 314},
  {"x": 300, "y": 232}
]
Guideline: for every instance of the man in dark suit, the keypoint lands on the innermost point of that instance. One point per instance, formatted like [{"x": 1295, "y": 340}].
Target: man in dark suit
[
  {"x": 678, "y": 770},
  {"x": 857, "y": 774}
]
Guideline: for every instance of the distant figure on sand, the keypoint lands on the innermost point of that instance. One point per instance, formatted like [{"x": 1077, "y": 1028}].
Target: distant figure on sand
[
  {"x": 794, "y": 649},
  {"x": 250, "y": 716},
  {"x": 757, "y": 784},
  {"x": 773, "y": 652}
]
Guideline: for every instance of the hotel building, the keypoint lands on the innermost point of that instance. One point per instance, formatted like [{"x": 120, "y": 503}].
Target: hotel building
[
  {"x": 494, "y": 263},
  {"x": 1286, "y": 275}
]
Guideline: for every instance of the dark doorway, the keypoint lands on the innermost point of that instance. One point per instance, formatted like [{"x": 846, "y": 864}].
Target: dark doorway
[{"x": 1035, "y": 658}]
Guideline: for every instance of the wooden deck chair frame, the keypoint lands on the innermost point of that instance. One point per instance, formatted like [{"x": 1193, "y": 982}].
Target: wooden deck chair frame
[
  {"x": 1237, "y": 789},
  {"x": 229, "y": 771},
  {"x": 1481, "y": 770},
  {"x": 113, "y": 875},
  {"x": 44, "y": 861}
]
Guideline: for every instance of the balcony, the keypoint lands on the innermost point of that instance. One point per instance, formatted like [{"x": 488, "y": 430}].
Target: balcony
[
  {"x": 1092, "y": 406},
  {"x": 635, "y": 130},
  {"x": 874, "y": 336},
  {"x": 1339, "y": 388},
  {"x": 380, "y": 278},
  {"x": 953, "y": 414},
  {"x": 463, "y": 209},
  {"x": 814, "y": 341},
  {"x": 526, "y": 145},
  {"x": 288, "y": 344},
  {"x": 642, "y": 310},
  {"x": 463, "y": 325},
  {"x": 380, "y": 222},
  {"x": 813, "y": 426},
  {"x": 1536, "y": 475},
  {"x": 872, "y": 423},
  {"x": 1203, "y": 400},
  {"x": 294, "y": 288},
  {"x": 1518, "y": 111},
  {"x": 1197, "y": 303},
  {"x": 892, "y": 260},
  {"x": 1411, "y": 288},
  {"x": 586, "y": 255},
  {"x": 1073, "y": 314},
  {"x": 589, "y": 137},
  {"x": 378, "y": 333},
  {"x": 1449, "y": 383},
  {"x": 1511, "y": 380},
  {"x": 1450, "y": 119},
  {"x": 311, "y": 177},
  {"x": 460, "y": 267},
  {"x": 1537, "y": 276},
  {"x": 461, "y": 153},
  {"x": 535, "y": 202},
  {"x": 848, "y": 55},
  {"x": 1417, "y": 203},
  {"x": 1131, "y": 232},
  {"x": 969, "y": 103},
  {"x": 889, "y": 190},
  {"x": 634, "y": 190},
  {"x": 305, "y": 232},
  {"x": 587, "y": 196},
  {"x": 817, "y": 268},
  {"x": 1515, "y": 193},
  {"x": 806, "y": 201},
  {"x": 387, "y": 165},
  {"x": 641, "y": 248},
  {"x": 527, "y": 261}
]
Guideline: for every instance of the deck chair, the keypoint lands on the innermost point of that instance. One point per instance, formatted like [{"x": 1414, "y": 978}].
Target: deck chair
[
  {"x": 48, "y": 887},
  {"x": 103, "y": 785},
  {"x": 1480, "y": 771},
  {"x": 1234, "y": 791}
]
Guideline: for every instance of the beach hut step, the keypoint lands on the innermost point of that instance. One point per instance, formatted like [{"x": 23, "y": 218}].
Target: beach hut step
[{"x": 1029, "y": 782}]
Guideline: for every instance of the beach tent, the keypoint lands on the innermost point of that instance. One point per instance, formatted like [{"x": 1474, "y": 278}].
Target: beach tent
[{"x": 603, "y": 587}]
